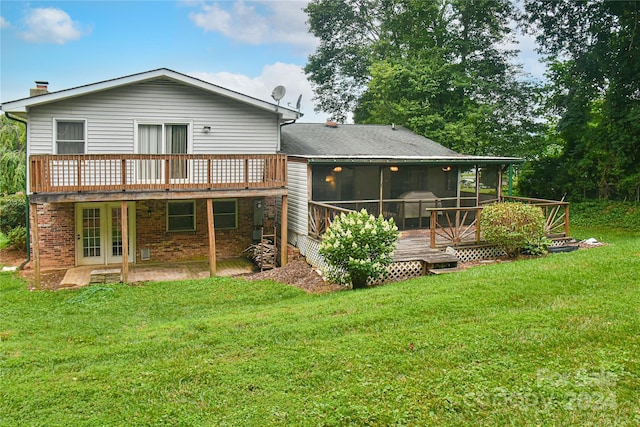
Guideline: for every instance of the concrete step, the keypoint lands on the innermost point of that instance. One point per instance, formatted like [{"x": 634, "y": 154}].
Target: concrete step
[{"x": 444, "y": 270}]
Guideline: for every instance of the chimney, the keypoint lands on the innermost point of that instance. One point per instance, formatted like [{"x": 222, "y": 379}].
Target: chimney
[{"x": 40, "y": 89}]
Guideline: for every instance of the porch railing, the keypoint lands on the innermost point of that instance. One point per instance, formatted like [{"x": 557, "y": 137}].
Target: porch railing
[
  {"x": 320, "y": 217},
  {"x": 60, "y": 173},
  {"x": 449, "y": 226},
  {"x": 555, "y": 212}
]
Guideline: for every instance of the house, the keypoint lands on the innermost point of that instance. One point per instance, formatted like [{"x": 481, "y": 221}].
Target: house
[
  {"x": 392, "y": 171},
  {"x": 176, "y": 167}
]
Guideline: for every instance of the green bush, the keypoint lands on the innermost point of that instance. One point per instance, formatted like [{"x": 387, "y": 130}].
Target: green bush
[
  {"x": 358, "y": 246},
  {"x": 17, "y": 238},
  {"x": 12, "y": 212},
  {"x": 514, "y": 227},
  {"x": 606, "y": 213}
]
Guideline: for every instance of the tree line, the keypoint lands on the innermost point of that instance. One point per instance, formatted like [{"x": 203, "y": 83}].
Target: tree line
[{"x": 446, "y": 69}]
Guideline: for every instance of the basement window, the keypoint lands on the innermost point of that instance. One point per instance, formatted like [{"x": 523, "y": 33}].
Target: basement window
[
  {"x": 225, "y": 214},
  {"x": 181, "y": 215}
]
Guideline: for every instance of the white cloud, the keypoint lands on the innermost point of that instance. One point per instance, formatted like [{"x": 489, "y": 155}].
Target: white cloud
[
  {"x": 50, "y": 25},
  {"x": 258, "y": 23},
  {"x": 290, "y": 76},
  {"x": 4, "y": 23}
]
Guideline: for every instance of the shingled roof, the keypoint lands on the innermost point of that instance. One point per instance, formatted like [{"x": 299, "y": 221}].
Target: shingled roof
[{"x": 320, "y": 142}]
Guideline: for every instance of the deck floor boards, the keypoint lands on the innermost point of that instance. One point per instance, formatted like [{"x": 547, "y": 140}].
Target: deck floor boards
[{"x": 414, "y": 245}]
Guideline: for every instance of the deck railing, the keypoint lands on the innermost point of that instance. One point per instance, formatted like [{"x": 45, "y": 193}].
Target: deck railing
[
  {"x": 448, "y": 225},
  {"x": 320, "y": 217},
  {"x": 555, "y": 212},
  {"x": 62, "y": 173}
]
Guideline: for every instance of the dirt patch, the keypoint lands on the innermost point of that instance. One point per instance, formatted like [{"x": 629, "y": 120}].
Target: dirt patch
[
  {"x": 300, "y": 274},
  {"x": 11, "y": 257}
]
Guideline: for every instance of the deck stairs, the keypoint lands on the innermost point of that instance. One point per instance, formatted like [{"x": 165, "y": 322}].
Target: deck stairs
[{"x": 413, "y": 246}]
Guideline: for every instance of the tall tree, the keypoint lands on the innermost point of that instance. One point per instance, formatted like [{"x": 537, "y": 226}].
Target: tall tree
[
  {"x": 436, "y": 66},
  {"x": 12, "y": 156},
  {"x": 593, "y": 51}
]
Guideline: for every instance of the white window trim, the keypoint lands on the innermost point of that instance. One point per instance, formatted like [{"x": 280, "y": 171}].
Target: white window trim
[
  {"x": 54, "y": 135},
  {"x": 195, "y": 222}
]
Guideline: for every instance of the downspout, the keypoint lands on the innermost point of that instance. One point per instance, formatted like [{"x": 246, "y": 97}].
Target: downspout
[{"x": 26, "y": 197}]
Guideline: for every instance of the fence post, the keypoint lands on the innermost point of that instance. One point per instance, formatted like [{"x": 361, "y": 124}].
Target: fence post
[{"x": 566, "y": 220}]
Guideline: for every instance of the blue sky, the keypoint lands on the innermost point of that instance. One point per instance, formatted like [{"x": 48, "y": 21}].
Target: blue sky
[{"x": 250, "y": 47}]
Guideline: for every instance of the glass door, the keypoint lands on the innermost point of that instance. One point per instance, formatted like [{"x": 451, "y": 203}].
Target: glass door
[
  {"x": 99, "y": 233},
  {"x": 114, "y": 223}
]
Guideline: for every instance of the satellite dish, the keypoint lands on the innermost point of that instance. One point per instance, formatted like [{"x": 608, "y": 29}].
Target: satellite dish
[
  {"x": 278, "y": 93},
  {"x": 298, "y": 102}
]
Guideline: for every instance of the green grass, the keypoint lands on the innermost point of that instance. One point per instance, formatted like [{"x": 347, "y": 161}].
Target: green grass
[{"x": 550, "y": 341}]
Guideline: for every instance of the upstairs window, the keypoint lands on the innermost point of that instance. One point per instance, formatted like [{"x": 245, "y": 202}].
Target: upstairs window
[{"x": 70, "y": 136}]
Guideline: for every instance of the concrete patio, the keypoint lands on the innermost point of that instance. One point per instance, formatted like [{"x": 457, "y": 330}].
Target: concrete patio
[{"x": 157, "y": 272}]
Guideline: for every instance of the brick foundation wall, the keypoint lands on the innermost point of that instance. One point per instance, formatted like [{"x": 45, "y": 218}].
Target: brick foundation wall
[
  {"x": 57, "y": 233},
  {"x": 56, "y": 228},
  {"x": 151, "y": 233}
]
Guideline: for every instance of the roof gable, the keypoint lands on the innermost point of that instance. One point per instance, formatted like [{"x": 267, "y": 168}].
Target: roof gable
[{"x": 21, "y": 105}]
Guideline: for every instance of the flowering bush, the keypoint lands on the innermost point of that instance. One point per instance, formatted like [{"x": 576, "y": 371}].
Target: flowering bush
[
  {"x": 358, "y": 246},
  {"x": 514, "y": 227}
]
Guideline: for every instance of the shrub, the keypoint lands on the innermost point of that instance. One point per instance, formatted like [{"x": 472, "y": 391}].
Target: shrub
[
  {"x": 12, "y": 212},
  {"x": 18, "y": 238},
  {"x": 514, "y": 227},
  {"x": 358, "y": 246}
]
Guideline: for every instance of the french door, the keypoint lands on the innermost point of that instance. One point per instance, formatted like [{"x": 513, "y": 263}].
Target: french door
[{"x": 99, "y": 233}]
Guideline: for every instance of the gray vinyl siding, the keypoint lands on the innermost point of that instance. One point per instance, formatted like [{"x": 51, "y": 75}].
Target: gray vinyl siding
[
  {"x": 298, "y": 207},
  {"x": 236, "y": 128}
]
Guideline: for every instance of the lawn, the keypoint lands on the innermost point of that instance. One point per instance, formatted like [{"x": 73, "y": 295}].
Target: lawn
[{"x": 549, "y": 341}]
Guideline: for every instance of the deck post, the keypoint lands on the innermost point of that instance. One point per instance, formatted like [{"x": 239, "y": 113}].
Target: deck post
[
  {"x": 478, "y": 214},
  {"x": 123, "y": 174},
  {"x": 381, "y": 190},
  {"x": 33, "y": 211},
  {"x": 566, "y": 220},
  {"x": 212, "y": 238},
  {"x": 124, "y": 226},
  {"x": 432, "y": 228},
  {"x": 283, "y": 231}
]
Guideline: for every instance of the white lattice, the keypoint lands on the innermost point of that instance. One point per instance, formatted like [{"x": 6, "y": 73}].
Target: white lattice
[
  {"x": 562, "y": 241},
  {"x": 310, "y": 249},
  {"x": 403, "y": 270},
  {"x": 478, "y": 252}
]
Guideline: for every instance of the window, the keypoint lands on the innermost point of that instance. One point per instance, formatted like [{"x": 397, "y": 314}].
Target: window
[
  {"x": 181, "y": 216},
  {"x": 70, "y": 136},
  {"x": 225, "y": 213},
  {"x": 163, "y": 139}
]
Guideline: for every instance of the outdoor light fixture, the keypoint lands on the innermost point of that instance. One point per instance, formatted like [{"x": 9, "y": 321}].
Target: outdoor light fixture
[
  {"x": 393, "y": 169},
  {"x": 337, "y": 169},
  {"x": 446, "y": 169},
  {"x": 329, "y": 179},
  {"x": 206, "y": 129}
]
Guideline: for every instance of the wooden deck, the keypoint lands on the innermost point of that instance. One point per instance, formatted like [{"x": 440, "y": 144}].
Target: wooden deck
[
  {"x": 61, "y": 173},
  {"x": 414, "y": 245}
]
